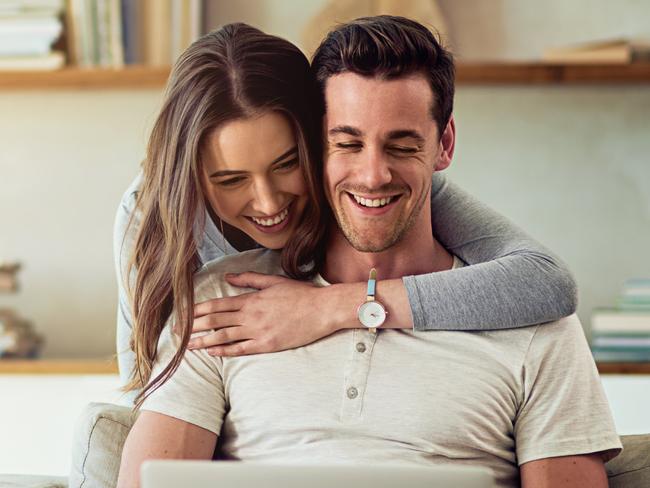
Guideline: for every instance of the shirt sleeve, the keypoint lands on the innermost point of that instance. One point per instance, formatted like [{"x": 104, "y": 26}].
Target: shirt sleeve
[
  {"x": 513, "y": 281},
  {"x": 194, "y": 393},
  {"x": 563, "y": 409}
]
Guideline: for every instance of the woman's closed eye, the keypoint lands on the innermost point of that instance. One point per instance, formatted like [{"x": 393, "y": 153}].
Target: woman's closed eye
[
  {"x": 231, "y": 181},
  {"x": 287, "y": 165}
]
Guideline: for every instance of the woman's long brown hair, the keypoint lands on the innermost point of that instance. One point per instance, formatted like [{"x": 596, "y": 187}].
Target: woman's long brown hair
[{"x": 234, "y": 72}]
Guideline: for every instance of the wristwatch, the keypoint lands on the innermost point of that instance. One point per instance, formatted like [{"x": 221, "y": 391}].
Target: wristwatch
[{"x": 371, "y": 313}]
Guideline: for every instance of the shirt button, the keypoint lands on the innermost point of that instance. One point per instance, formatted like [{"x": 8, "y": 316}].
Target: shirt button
[
  {"x": 361, "y": 347},
  {"x": 352, "y": 393}
]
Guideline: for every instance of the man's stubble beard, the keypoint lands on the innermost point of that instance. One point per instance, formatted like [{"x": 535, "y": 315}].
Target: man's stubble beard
[{"x": 396, "y": 234}]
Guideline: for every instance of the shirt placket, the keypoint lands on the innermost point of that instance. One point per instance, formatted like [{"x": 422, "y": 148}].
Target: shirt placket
[{"x": 355, "y": 379}]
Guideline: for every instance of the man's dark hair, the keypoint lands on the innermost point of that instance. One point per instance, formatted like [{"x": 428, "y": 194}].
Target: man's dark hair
[{"x": 389, "y": 47}]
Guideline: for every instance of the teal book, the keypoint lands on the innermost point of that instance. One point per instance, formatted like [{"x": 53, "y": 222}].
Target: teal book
[{"x": 621, "y": 355}]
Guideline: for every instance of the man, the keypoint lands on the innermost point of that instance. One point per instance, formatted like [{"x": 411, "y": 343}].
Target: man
[{"x": 526, "y": 403}]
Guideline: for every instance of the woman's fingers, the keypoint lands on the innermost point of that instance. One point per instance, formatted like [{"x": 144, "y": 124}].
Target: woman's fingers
[
  {"x": 251, "y": 279},
  {"x": 215, "y": 321},
  {"x": 242, "y": 348},
  {"x": 218, "y": 338},
  {"x": 227, "y": 304}
]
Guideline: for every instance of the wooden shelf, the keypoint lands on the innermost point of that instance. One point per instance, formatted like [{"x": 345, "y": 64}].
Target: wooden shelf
[
  {"x": 549, "y": 74},
  {"x": 58, "y": 366},
  {"x": 141, "y": 77},
  {"x": 109, "y": 366},
  {"x": 624, "y": 368},
  {"x": 131, "y": 78}
]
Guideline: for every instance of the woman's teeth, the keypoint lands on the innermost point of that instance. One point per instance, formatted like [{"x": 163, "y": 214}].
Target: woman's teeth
[
  {"x": 274, "y": 221},
  {"x": 377, "y": 202}
]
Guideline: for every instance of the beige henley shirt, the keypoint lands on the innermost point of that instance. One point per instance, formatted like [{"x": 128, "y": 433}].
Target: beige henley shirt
[{"x": 496, "y": 399}]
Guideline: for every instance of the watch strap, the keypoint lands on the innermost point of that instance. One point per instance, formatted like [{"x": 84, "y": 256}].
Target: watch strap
[{"x": 372, "y": 283}]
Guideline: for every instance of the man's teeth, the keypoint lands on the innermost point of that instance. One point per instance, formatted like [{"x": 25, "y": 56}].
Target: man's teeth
[
  {"x": 368, "y": 202},
  {"x": 274, "y": 221}
]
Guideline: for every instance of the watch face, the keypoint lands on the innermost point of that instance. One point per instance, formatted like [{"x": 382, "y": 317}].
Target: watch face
[{"x": 372, "y": 314}]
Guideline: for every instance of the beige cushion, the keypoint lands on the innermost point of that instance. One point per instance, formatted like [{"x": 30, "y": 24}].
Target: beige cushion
[
  {"x": 97, "y": 446},
  {"x": 24, "y": 481},
  {"x": 631, "y": 468}
]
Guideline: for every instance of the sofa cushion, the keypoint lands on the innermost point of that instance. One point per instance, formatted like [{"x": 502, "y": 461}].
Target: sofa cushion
[
  {"x": 100, "y": 434},
  {"x": 631, "y": 468},
  {"x": 23, "y": 481}
]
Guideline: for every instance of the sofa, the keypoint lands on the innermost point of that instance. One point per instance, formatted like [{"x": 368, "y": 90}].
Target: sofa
[{"x": 102, "y": 430}]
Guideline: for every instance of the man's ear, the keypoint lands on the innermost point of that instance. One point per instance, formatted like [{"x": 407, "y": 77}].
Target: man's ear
[{"x": 447, "y": 143}]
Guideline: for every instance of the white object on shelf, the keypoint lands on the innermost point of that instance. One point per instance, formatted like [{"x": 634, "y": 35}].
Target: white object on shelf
[{"x": 52, "y": 61}]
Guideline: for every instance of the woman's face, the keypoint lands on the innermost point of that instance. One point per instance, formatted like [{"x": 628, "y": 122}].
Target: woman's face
[{"x": 253, "y": 179}]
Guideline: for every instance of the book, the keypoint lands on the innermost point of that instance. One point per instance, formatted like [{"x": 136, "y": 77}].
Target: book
[
  {"x": 27, "y": 34},
  {"x": 156, "y": 25},
  {"x": 186, "y": 22},
  {"x": 116, "y": 47},
  {"x": 102, "y": 22},
  {"x": 111, "y": 33},
  {"x": 48, "y": 7},
  {"x": 622, "y": 356},
  {"x": 636, "y": 287},
  {"x": 615, "y": 320},
  {"x": 615, "y": 51},
  {"x": 626, "y": 342},
  {"x": 28, "y": 45},
  {"x": 52, "y": 61}
]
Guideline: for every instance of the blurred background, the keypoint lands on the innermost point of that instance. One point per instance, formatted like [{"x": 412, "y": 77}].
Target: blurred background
[{"x": 567, "y": 162}]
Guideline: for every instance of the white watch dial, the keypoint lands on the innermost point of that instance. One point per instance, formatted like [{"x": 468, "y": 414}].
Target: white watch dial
[{"x": 372, "y": 314}]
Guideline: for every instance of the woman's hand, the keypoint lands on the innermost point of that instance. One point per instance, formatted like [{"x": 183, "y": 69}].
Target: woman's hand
[{"x": 283, "y": 314}]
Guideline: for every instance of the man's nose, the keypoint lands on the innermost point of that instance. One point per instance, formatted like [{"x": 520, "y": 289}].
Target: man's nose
[
  {"x": 374, "y": 172},
  {"x": 267, "y": 198}
]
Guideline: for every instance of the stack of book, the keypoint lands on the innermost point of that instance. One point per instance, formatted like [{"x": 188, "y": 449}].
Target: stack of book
[
  {"x": 622, "y": 334},
  {"x": 28, "y": 29},
  {"x": 613, "y": 51},
  {"x": 112, "y": 33}
]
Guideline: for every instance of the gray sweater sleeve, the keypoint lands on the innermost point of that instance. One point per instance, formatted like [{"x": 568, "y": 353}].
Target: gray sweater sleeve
[
  {"x": 514, "y": 281},
  {"x": 123, "y": 243}
]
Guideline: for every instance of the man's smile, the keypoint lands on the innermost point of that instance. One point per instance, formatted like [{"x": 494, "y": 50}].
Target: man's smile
[{"x": 377, "y": 205}]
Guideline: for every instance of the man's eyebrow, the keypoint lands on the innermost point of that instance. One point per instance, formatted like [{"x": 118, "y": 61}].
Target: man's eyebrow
[
  {"x": 406, "y": 133},
  {"x": 345, "y": 129},
  {"x": 230, "y": 172}
]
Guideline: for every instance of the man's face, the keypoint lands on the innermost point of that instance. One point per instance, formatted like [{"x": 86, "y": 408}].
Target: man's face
[{"x": 382, "y": 149}]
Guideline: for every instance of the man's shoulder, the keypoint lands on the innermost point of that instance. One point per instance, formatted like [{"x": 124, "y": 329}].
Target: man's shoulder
[
  {"x": 567, "y": 328},
  {"x": 210, "y": 282},
  {"x": 561, "y": 342}
]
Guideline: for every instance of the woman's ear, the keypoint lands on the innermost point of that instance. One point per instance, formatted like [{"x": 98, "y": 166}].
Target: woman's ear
[{"x": 447, "y": 145}]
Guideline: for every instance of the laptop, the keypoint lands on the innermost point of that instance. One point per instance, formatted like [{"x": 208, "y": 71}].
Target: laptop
[{"x": 229, "y": 474}]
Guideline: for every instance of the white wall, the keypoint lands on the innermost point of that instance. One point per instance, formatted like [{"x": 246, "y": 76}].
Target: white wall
[
  {"x": 65, "y": 160},
  {"x": 570, "y": 164},
  {"x": 38, "y": 415}
]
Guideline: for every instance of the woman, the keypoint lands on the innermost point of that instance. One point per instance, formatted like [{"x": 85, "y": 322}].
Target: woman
[{"x": 209, "y": 188}]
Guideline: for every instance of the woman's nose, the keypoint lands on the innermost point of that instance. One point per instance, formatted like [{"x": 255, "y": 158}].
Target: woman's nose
[{"x": 267, "y": 198}]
